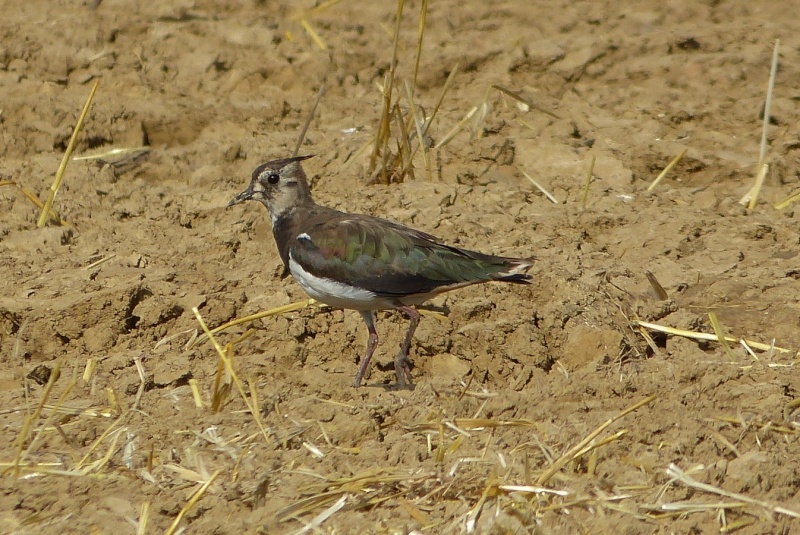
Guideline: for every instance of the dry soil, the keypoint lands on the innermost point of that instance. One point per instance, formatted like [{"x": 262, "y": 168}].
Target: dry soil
[{"x": 512, "y": 377}]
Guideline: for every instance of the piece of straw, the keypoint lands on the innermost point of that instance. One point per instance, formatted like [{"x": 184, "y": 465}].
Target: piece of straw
[
  {"x": 382, "y": 139},
  {"x": 88, "y": 371},
  {"x": 198, "y": 399},
  {"x": 304, "y": 131},
  {"x": 762, "y": 154},
  {"x": 229, "y": 366},
  {"x": 423, "y": 14},
  {"x": 538, "y": 186},
  {"x": 666, "y": 170},
  {"x": 751, "y": 197},
  {"x": 419, "y": 128},
  {"x": 26, "y": 431},
  {"x": 65, "y": 160},
  {"x": 788, "y": 201},
  {"x": 312, "y": 33},
  {"x": 316, "y": 522},
  {"x": 144, "y": 514},
  {"x": 429, "y": 122},
  {"x": 575, "y": 450},
  {"x": 679, "y": 475},
  {"x": 705, "y": 336},
  {"x": 661, "y": 293},
  {"x": 524, "y": 102},
  {"x": 266, "y": 313},
  {"x": 720, "y": 334},
  {"x": 34, "y": 199},
  {"x": 101, "y": 261},
  {"x": 119, "y": 151},
  {"x": 588, "y": 181},
  {"x": 192, "y": 501},
  {"x": 457, "y": 128},
  {"x": 445, "y": 89}
]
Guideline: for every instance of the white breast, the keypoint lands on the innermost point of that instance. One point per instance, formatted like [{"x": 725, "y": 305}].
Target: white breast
[{"x": 335, "y": 293}]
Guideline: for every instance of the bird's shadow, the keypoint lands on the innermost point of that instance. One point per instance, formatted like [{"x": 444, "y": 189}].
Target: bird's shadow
[
  {"x": 392, "y": 386},
  {"x": 444, "y": 310}
]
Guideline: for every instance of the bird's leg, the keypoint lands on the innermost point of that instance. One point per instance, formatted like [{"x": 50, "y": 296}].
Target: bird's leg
[
  {"x": 402, "y": 364},
  {"x": 372, "y": 343}
]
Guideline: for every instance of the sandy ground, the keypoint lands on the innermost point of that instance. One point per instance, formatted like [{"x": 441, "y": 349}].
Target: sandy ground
[{"x": 512, "y": 378}]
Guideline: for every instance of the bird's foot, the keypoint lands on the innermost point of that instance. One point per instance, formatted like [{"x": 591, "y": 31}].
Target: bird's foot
[{"x": 402, "y": 370}]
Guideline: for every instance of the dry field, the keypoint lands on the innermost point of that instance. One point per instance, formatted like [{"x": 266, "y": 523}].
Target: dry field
[{"x": 547, "y": 408}]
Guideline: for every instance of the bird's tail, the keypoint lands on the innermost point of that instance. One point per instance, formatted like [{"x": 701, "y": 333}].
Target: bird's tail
[{"x": 517, "y": 270}]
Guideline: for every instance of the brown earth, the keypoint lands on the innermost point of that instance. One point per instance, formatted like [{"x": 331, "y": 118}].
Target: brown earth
[{"x": 214, "y": 88}]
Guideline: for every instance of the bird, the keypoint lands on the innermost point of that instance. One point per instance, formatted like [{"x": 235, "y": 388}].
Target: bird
[{"x": 365, "y": 263}]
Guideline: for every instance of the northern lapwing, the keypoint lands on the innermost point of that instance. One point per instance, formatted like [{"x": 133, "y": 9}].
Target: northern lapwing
[{"x": 365, "y": 263}]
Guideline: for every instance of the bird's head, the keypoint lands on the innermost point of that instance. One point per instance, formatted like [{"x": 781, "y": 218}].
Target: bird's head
[{"x": 280, "y": 185}]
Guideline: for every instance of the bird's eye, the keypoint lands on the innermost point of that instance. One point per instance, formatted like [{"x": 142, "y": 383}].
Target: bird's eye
[{"x": 273, "y": 178}]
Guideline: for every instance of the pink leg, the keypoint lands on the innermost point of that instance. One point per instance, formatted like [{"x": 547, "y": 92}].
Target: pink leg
[{"x": 372, "y": 343}]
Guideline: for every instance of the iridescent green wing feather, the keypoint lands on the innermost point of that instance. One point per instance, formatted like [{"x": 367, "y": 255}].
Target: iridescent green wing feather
[{"x": 392, "y": 260}]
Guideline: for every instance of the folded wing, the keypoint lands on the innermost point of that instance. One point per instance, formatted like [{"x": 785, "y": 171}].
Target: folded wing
[{"x": 394, "y": 261}]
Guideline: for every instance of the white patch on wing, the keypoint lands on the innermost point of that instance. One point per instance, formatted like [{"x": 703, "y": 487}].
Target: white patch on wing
[
  {"x": 335, "y": 293},
  {"x": 304, "y": 236}
]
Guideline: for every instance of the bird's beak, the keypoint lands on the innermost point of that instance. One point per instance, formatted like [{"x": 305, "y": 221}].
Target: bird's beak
[{"x": 246, "y": 195}]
